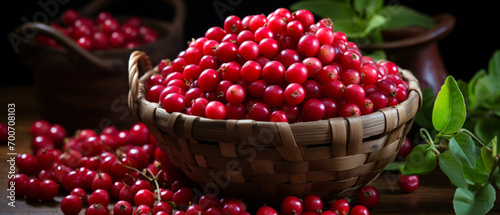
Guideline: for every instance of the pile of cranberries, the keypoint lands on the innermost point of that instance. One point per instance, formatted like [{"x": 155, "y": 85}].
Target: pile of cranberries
[
  {"x": 124, "y": 172},
  {"x": 283, "y": 67},
  {"x": 102, "y": 33}
]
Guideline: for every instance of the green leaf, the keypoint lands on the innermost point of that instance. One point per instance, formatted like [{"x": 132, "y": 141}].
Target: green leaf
[
  {"x": 420, "y": 161},
  {"x": 470, "y": 201},
  {"x": 486, "y": 92},
  {"x": 496, "y": 177},
  {"x": 464, "y": 149},
  {"x": 487, "y": 128},
  {"x": 494, "y": 146},
  {"x": 452, "y": 167},
  {"x": 424, "y": 116},
  {"x": 352, "y": 29},
  {"x": 367, "y": 7},
  {"x": 401, "y": 16},
  {"x": 449, "y": 112},
  {"x": 487, "y": 158},
  {"x": 394, "y": 166},
  {"x": 471, "y": 88},
  {"x": 375, "y": 22},
  {"x": 476, "y": 176},
  {"x": 494, "y": 69},
  {"x": 326, "y": 9}
]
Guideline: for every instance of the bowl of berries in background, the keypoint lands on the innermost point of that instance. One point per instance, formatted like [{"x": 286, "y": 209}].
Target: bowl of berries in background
[
  {"x": 267, "y": 106},
  {"x": 79, "y": 61}
]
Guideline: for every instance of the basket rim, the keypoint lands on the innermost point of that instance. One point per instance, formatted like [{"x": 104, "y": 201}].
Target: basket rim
[{"x": 138, "y": 103}]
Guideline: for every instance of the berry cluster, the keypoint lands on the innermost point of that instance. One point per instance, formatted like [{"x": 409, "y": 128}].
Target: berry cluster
[
  {"x": 124, "y": 171},
  {"x": 105, "y": 32},
  {"x": 284, "y": 67}
]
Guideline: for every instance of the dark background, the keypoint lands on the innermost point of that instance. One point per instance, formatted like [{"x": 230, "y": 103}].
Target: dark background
[{"x": 465, "y": 50}]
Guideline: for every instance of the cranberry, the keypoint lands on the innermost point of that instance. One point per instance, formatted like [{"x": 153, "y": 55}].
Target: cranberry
[
  {"x": 251, "y": 71},
  {"x": 287, "y": 57},
  {"x": 122, "y": 208},
  {"x": 71, "y": 205},
  {"x": 340, "y": 207},
  {"x": 41, "y": 142},
  {"x": 266, "y": 210},
  {"x": 233, "y": 206},
  {"x": 349, "y": 110},
  {"x": 102, "y": 181},
  {"x": 99, "y": 196},
  {"x": 405, "y": 149},
  {"x": 359, "y": 210},
  {"x": 96, "y": 209},
  {"x": 294, "y": 94},
  {"x": 174, "y": 102},
  {"x": 33, "y": 189},
  {"x": 268, "y": 47},
  {"x": 162, "y": 206},
  {"x": 26, "y": 163},
  {"x": 273, "y": 96},
  {"x": 308, "y": 45},
  {"x": 368, "y": 196},
  {"x": 195, "y": 210},
  {"x": 312, "y": 203},
  {"x": 183, "y": 197},
  {"x": 249, "y": 50},
  {"x": 296, "y": 73},
  {"x": 81, "y": 193},
  {"x": 313, "y": 66},
  {"x": 226, "y": 51},
  {"x": 259, "y": 111},
  {"x": 408, "y": 183},
  {"x": 235, "y": 94},
  {"x": 215, "y": 110},
  {"x": 144, "y": 197},
  {"x": 291, "y": 205}
]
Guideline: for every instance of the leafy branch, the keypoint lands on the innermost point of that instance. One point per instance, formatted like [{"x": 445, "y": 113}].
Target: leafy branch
[{"x": 469, "y": 159}]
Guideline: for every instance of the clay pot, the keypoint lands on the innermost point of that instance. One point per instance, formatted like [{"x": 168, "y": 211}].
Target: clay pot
[
  {"x": 416, "y": 49},
  {"x": 88, "y": 89}
]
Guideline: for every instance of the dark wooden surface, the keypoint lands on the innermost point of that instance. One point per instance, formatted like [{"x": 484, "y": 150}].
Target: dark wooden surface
[{"x": 434, "y": 195}]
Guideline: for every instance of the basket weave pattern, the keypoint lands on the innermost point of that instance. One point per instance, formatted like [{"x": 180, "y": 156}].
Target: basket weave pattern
[{"x": 265, "y": 160}]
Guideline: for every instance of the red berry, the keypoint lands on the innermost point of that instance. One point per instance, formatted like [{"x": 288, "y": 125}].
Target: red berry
[
  {"x": 296, "y": 73},
  {"x": 278, "y": 116},
  {"x": 291, "y": 205},
  {"x": 340, "y": 207},
  {"x": 331, "y": 108},
  {"x": 304, "y": 16},
  {"x": 122, "y": 208},
  {"x": 251, "y": 71},
  {"x": 312, "y": 203},
  {"x": 408, "y": 183},
  {"x": 368, "y": 75},
  {"x": 266, "y": 210},
  {"x": 162, "y": 206},
  {"x": 350, "y": 76},
  {"x": 390, "y": 67},
  {"x": 294, "y": 28},
  {"x": 268, "y": 47},
  {"x": 249, "y": 50},
  {"x": 144, "y": 197},
  {"x": 257, "y": 21},
  {"x": 359, "y": 210},
  {"x": 273, "y": 72},
  {"x": 226, "y": 51},
  {"x": 328, "y": 73},
  {"x": 235, "y": 94},
  {"x": 313, "y": 66},
  {"x": 32, "y": 188},
  {"x": 208, "y": 80},
  {"x": 387, "y": 87},
  {"x": 215, "y": 33},
  {"x": 405, "y": 149},
  {"x": 259, "y": 112},
  {"x": 232, "y": 24},
  {"x": 349, "y": 110},
  {"x": 277, "y": 24},
  {"x": 71, "y": 205},
  {"x": 215, "y": 110},
  {"x": 294, "y": 94},
  {"x": 313, "y": 90},
  {"x": 99, "y": 196},
  {"x": 379, "y": 100},
  {"x": 287, "y": 57},
  {"x": 233, "y": 207},
  {"x": 102, "y": 181},
  {"x": 183, "y": 197},
  {"x": 368, "y": 196},
  {"x": 48, "y": 190},
  {"x": 354, "y": 93},
  {"x": 308, "y": 45},
  {"x": 174, "y": 102},
  {"x": 273, "y": 96},
  {"x": 96, "y": 209},
  {"x": 313, "y": 109}
]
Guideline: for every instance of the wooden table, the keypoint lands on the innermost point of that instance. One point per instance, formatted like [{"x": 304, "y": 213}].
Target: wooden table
[{"x": 434, "y": 195}]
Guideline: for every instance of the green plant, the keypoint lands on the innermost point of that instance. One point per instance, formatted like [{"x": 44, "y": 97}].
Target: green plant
[
  {"x": 469, "y": 159},
  {"x": 364, "y": 20}
]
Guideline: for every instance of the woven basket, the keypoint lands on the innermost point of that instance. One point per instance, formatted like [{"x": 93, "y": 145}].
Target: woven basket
[{"x": 265, "y": 161}]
